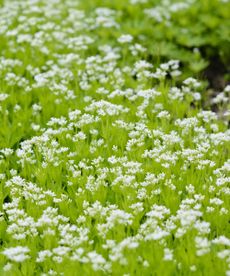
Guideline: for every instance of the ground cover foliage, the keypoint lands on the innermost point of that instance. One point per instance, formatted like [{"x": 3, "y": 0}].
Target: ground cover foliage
[{"x": 114, "y": 137}]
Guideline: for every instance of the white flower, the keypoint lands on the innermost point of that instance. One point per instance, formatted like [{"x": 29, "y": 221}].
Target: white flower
[
  {"x": 3, "y": 97},
  {"x": 168, "y": 254},
  {"x": 17, "y": 254},
  {"x": 7, "y": 267},
  {"x": 126, "y": 38}
]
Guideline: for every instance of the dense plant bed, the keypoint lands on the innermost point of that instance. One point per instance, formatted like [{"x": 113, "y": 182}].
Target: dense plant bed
[{"x": 114, "y": 137}]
